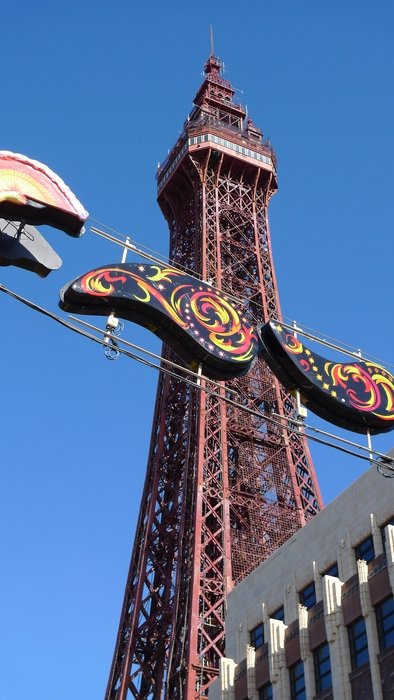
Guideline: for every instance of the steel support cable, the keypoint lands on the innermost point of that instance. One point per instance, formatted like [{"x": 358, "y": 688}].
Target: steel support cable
[
  {"x": 75, "y": 329},
  {"x": 153, "y": 255},
  {"x": 241, "y": 407},
  {"x": 383, "y": 460},
  {"x": 308, "y": 333},
  {"x": 171, "y": 363},
  {"x": 327, "y": 343},
  {"x": 139, "y": 248},
  {"x": 126, "y": 236},
  {"x": 157, "y": 257},
  {"x": 153, "y": 258}
]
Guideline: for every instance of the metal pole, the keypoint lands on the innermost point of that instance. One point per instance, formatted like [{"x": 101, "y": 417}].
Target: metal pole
[
  {"x": 199, "y": 373},
  {"x": 369, "y": 443},
  {"x": 300, "y": 412},
  {"x": 125, "y": 249}
]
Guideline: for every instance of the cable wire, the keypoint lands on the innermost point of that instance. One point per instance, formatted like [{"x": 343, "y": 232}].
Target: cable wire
[
  {"x": 155, "y": 256},
  {"x": 151, "y": 354},
  {"x": 219, "y": 386},
  {"x": 381, "y": 459}
]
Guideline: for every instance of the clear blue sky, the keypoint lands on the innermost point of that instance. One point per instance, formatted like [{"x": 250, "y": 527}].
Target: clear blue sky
[{"x": 99, "y": 91}]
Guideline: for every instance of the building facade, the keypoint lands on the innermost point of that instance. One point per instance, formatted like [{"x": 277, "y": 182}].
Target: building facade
[{"x": 316, "y": 619}]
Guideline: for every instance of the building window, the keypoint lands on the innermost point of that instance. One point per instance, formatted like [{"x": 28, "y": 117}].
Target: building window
[
  {"x": 297, "y": 681},
  {"x": 365, "y": 550},
  {"x": 278, "y": 614},
  {"x": 308, "y": 596},
  {"x": 383, "y": 531},
  {"x": 385, "y": 622},
  {"x": 332, "y": 570},
  {"x": 265, "y": 693},
  {"x": 321, "y": 659},
  {"x": 257, "y": 636},
  {"x": 358, "y": 643}
]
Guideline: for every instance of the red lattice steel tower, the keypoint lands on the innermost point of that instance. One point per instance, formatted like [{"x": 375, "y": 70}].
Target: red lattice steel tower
[{"x": 224, "y": 487}]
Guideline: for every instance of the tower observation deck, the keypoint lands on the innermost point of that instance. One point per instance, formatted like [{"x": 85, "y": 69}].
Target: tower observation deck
[{"x": 225, "y": 485}]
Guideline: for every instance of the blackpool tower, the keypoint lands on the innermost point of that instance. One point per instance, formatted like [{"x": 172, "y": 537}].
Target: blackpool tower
[{"x": 226, "y": 484}]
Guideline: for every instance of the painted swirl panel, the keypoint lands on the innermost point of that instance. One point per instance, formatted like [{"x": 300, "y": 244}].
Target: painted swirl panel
[
  {"x": 199, "y": 322},
  {"x": 358, "y": 396}
]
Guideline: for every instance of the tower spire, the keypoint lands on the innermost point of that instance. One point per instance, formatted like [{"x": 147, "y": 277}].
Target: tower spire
[{"x": 211, "y": 40}]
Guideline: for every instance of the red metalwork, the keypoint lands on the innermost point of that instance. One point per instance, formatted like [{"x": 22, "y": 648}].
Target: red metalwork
[{"x": 224, "y": 488}]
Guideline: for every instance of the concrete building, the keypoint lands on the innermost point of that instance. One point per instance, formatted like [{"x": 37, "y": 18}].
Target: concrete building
[{"x": 316, "y": 619}]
